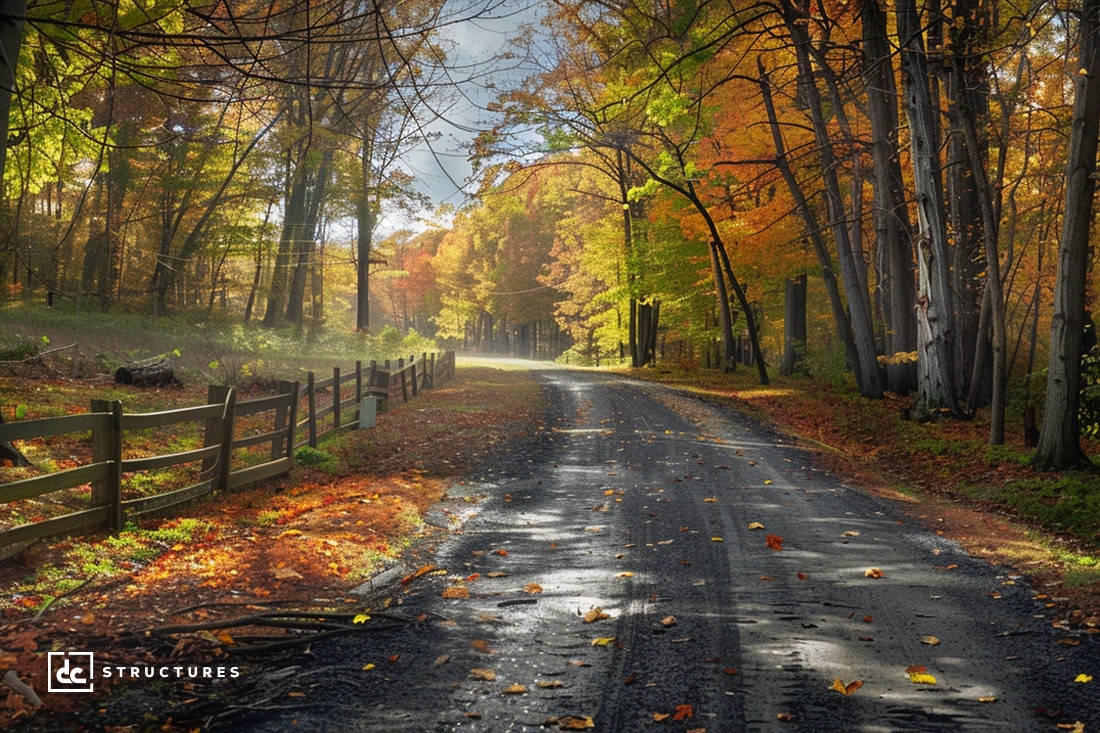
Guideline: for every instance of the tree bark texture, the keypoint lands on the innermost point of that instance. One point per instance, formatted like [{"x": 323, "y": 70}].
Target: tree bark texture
[{"x": 1060, "y": 436}]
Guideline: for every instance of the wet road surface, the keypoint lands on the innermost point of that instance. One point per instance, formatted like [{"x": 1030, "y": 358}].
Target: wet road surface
[{"x": 643, "y": 503}]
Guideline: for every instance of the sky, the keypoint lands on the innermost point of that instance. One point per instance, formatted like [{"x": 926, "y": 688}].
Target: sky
[{"x": 442, "y": 166}]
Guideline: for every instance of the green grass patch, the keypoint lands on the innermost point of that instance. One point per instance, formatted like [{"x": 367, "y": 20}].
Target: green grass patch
[{"x": 1067, "y": 503}]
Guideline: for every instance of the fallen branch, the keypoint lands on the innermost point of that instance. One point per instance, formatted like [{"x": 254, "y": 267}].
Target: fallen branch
[{"x": 11, "y": 679}]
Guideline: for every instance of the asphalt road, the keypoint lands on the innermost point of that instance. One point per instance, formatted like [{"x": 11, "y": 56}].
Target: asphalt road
[{"x": 641, "y": 502}]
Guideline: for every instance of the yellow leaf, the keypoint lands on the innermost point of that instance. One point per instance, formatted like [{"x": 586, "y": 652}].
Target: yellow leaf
[
  {"x": 846, "y": 689},
  {"x": 515, "y": 690},
  {"x": 368, "y": 667},
  {"x": 532, "y": 588},
  {"x": 873, "y": 573},
  {"x": 625, "y": 574},
  {"x": 987, "y": 699},
  {"x": 710, "y": 500},
  {"x": 716, "y": 539},
  {"x": 1083, "y": 678},
  {"x": 756, "y": 525},
  {"x": 767, "y": 482},
  {"x": 573, "y": 723},
  {"x": 922, "y": 678},
  {"x": 360, "y": 618},
  {"x": 929, "y": 640},
  {"x": 603, "y": 641}
]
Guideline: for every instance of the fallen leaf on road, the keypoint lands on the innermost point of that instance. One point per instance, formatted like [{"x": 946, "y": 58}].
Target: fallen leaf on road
[
  {"x": 710, "y": 499},
  {"x": 730, "y": 671},
  {"x": 658, "y": 717},
  {"x": 918, "y": 675},
  {"x": 549, "y": 684},
  {"x": 442, "y": 659},
  {"x": 360, "y": 618},
  {"x": 756, "y": 525},
  {"x": 516, "y": 689},
  {"x": 624, "y": 574},
  {"x": 481, "y": 645},
  {"x": 801, "y": 576},
  {"x": 873, "y": 573},
  {"x": 496, "y": 574},
  {"x": 1077, "y": 727},
  {"x": 929, "y": 640},
  {"x": 774, "y": 542},
  {"x": 683, "y": 712},
  {"x": 785, "y": 717},
  {"x": 668, "y": 621},
  {"x": 486, "y": 675},
  {"x": 596, "y": 614},
  {"x": 502, "y": 553},
  {"x": 576, "y": 723},
  {"x": 846, "y": 689},
  {"x": 850, "y": 533},
  {"x": 368, "y": 667},
  {"x": 767, "y": 482},
  {"x": 532, "y": 588},
  {"x": 987, "y": 699},
  {"x": 716, "y": 539},
  {"x": 603, "y": 640},
  {"x": 456, "y": 591},
  {"x": 766, "y": 578},
  {"x": 1084, "y": 678}
]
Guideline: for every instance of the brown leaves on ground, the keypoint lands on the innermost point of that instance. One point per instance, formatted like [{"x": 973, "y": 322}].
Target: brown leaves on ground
[
  {"x": 774, "y": 542},
  {"x": 310, "y": 536}
]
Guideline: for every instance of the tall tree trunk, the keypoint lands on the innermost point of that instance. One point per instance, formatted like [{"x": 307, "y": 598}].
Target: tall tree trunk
[
  {"x": 890, "y": 214},
  {"x": 307, "y": 242},
  {"x": 1060, "y": 438},
  {"x": 935, "y": 308},
  {"x": 813, "y": 229},
  {"x": 12, "y": 13},
  {"x": 796, "y": 16}
]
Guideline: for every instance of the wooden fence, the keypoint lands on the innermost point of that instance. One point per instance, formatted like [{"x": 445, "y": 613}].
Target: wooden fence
[{"x": 225, "y": 461}]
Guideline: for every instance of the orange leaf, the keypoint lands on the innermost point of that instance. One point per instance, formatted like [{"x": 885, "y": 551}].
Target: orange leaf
[
  {"x": 683, "y": 712},
  {"x": 658, "y": 717},
  {"x": 532, "y": 588},
  {"x": 873, "y": 573},
  {"x": 846, "y": 689},
  {"x": 774, "y": 541},
  {"x": 455, "y": 591}
]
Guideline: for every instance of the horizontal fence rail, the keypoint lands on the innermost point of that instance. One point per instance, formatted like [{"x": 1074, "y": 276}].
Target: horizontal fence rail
[{"x": 223, "y": 461}]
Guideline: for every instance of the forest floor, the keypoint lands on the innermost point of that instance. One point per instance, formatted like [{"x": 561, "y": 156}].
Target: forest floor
[{"x": 306, "y": 541}]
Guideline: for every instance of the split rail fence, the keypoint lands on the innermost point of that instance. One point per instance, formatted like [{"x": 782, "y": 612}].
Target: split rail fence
[{"x": 227, "y": 459}]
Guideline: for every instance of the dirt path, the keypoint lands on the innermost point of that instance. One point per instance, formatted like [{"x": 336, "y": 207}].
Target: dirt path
[{"x": 652, "y": 562}]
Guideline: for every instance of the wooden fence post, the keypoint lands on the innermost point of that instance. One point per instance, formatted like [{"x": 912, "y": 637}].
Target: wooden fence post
[
  {"x": 311, "y": 418},
  {"x": 107, "y": 446},
  {"x": 219, "y": 431},
  {"x": 412, "y": 367},
  {"x": 336, "y": 398},
  {"x": 358, "y": 388},
  {"x": 404, "y": 383},
  {"x": 286, "y": 416}
]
